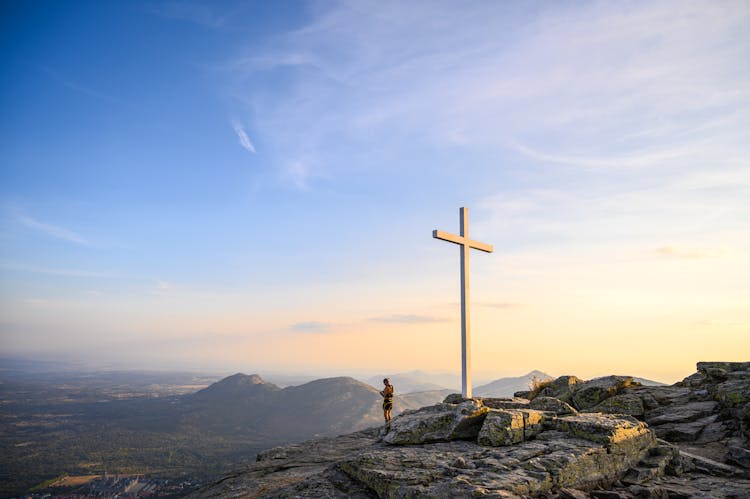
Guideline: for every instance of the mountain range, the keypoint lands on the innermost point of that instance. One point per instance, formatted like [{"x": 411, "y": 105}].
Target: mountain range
[
  {"x": 329, "y": 406},
  {"x": 506, "y": 387},
  {"x": 247, "y": 404}
]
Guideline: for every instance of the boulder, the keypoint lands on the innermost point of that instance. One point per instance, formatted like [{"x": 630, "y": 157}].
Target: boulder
[
  {"x": 508, "y": 427},
  {"x": 437, "y": 423},
  {"x": 625, "y": 403},
  {"x": 502, "y": 428},
  {"x": 590, "y": 393},
  {"x": 551, "y": 404},
  {"x": 561, "y": 388}
]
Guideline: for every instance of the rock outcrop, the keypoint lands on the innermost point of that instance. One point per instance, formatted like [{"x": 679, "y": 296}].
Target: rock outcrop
[
  {"x": 605, "y": 438},
  {"x": 438, "y": 423}
]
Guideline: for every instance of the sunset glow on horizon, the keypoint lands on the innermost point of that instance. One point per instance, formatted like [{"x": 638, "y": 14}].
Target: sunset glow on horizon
[{"x": 252, "y": 186}]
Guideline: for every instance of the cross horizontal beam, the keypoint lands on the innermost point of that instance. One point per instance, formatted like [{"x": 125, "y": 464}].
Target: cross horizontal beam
[{"x": 446, "y": 236}]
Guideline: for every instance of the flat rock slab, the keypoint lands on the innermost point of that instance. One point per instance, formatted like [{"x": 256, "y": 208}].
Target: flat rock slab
[
  {"x": 522, "y": 470},
  {"x": 505, "y": 403},
  {"x": 682, "y": 413}
]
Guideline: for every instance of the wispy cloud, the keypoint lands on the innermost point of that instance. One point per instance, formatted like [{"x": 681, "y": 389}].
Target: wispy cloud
[
  {"x": 501, "y": 305},
  {"x": 408, "y": 319},
  {"x": 720, "y": 323},
  {"x": 310, "y": 327},
  {"x": 54, "y": 231},
  {"x": 244, "y": 140},
  {"x": 20, "y": 267},
  {"x": 685, "y": 253},
  {"x": 74, "y": 85},
  {"x": 297, "y": 173},
  {"x": 586, "y": 85},
  {"x": 159, "y": 288},
  {"x": 201, "y": 14},
  {"x": 36, "y": 302},
  {"x": 635, "y": 159}
]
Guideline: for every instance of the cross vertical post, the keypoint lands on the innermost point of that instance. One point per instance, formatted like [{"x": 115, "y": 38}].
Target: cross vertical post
[
  {"x": 465, "y": 312},
  {"x": 466, "y": 244}
]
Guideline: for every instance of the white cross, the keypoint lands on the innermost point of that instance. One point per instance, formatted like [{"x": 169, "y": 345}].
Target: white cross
[{"x": 466, "y": 244}]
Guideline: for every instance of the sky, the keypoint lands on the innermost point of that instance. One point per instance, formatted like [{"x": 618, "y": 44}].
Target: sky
[{"x": 253, "y": 185}]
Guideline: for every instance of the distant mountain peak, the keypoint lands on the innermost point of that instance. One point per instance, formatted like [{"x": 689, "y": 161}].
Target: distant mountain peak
[
  {"x": 236, "y": 385},
  {"x": 538, "y": 374},
  {"x": 506, "y": 387},
  {"x": 240, "y": 379}
]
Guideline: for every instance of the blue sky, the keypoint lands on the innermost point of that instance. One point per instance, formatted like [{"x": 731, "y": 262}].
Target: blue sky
[{"x": 254, "y": 184}]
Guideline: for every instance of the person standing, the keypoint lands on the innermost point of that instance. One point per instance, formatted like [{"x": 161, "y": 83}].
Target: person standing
[{"x": 387, "y": 395}]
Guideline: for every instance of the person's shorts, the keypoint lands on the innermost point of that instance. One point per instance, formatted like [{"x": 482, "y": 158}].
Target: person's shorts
[{"x": 387, "y": 404}]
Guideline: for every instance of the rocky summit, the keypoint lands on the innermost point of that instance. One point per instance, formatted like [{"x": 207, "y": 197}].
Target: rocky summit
[{"x": 609, "y": 437}]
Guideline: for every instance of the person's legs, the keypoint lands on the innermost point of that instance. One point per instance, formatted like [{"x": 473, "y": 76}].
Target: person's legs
[{"x": 387, "y": 406}]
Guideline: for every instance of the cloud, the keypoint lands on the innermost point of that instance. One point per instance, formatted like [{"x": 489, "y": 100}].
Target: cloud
[
  {"x": 684, "y": 253},
  {"x": 297, "y": 172},
  {"x": 72, "y": 85},
  {"x": 53, "y": 230},
  {"x": 635, "y": 159},
  {"x": 242, "y": 137},
  {"x": 586, "y": 84},
  {"x": 36, "y": 301},
  {"x": 408, "y": 319},
  {"x": 310, "y": 327},
  {"x": 50, "y": 271},
  {"x": 719, "y": 323},
  {"x": 501, "y": 305},
  {"x": 202, "y": 15}
]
